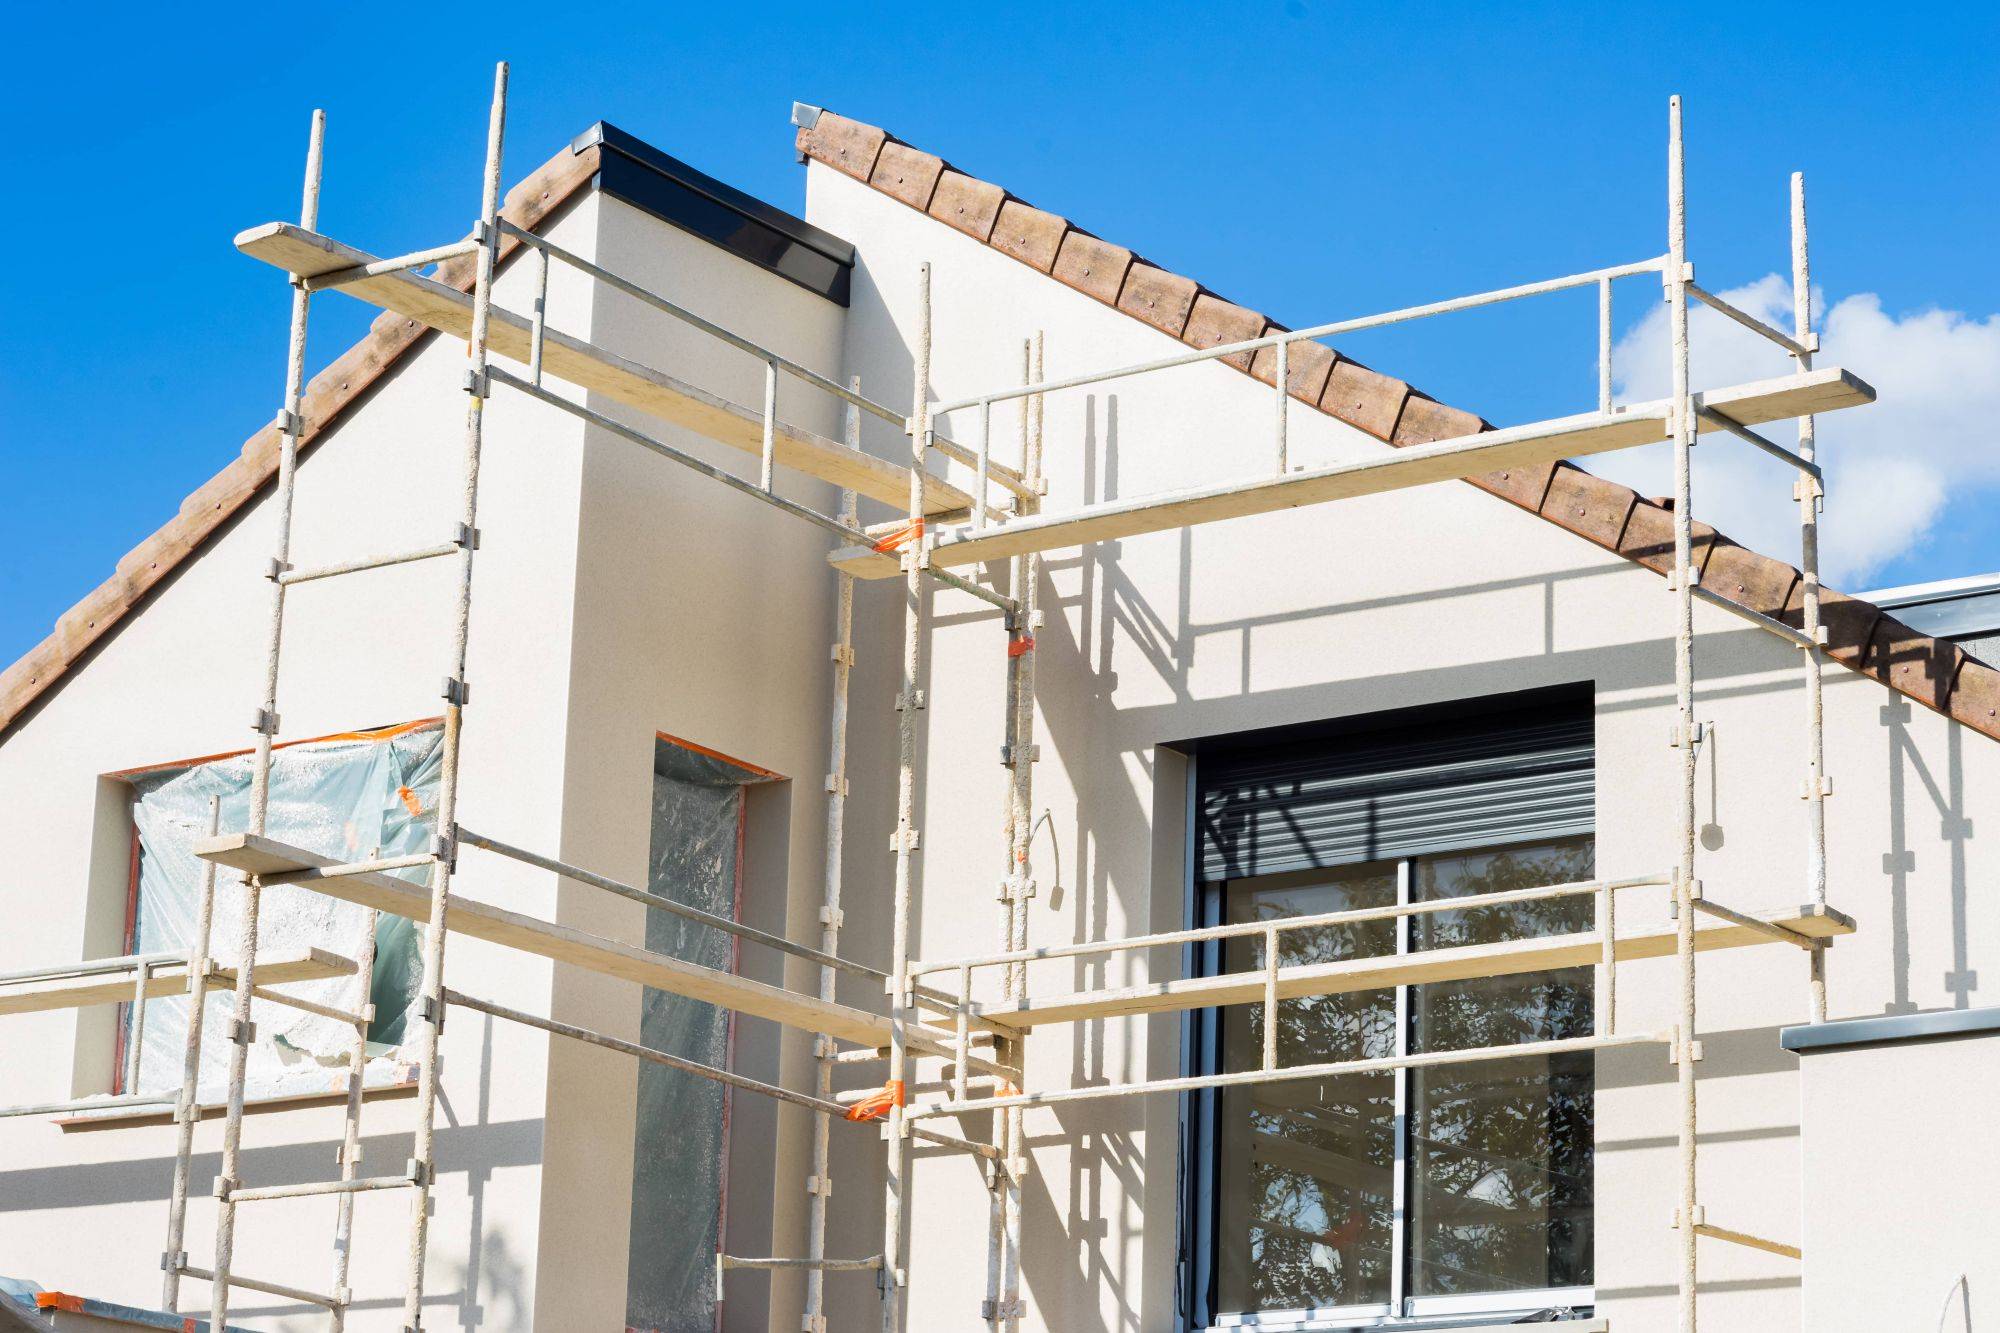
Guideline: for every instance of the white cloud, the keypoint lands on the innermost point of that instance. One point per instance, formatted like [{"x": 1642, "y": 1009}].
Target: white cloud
[{"x": 1932, "y": 436}]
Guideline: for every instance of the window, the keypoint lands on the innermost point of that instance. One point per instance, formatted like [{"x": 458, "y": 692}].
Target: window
[
  {"x": 348, "y": 797},
  {"x": 679, "y": 1160},
  {"x": 1441, "y": 1191}
]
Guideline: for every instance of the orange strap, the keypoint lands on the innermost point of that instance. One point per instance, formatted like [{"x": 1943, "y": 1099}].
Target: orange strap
[
  {"x": 410, "y": 801},
  {"x": 876, "y": 1105},
  {"x": 1022, "y": 646},
  {"x": 901, "y": 537}
]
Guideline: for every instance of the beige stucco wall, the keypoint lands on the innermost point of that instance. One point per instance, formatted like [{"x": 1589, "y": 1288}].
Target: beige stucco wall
[
  {"x": 1904, "y": 1194},
  {"x": 85, "y": 1210},
  {"x": 704, "y": 615},
  {"x": 1428, "y": 595}
]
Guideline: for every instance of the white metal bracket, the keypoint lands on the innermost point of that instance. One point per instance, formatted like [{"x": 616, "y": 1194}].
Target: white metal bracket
[
  {"x": 910, "y": 838},
  {"x": 832, "y": 916},
  {"x": 836, "y": 784},
  {"x": 904, "y": 701},
  {"x": 1806, "y": 786},
  {"x": 843, "y": 655}
]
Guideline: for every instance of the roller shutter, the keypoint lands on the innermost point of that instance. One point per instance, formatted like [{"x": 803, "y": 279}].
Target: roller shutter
[{"x": 1519, "y": 776}]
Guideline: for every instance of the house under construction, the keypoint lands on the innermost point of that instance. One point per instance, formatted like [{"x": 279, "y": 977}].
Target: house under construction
[{"x": 911, "y": 769}]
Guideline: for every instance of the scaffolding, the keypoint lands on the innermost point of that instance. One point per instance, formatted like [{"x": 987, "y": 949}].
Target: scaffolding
[{"x": 948, "y": 1053}]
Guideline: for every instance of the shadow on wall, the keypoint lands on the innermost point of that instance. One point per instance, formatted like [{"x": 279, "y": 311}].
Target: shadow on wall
[
  {"x": 1083, "y": 722},
  {"x": 1946, "y": 793}
]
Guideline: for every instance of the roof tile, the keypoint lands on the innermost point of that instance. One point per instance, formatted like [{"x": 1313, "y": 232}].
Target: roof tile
[
  {"x": 1364, "y": 398},
  {"x": 1649, "y": 538},
  {"x": 1975, "y": 696},
  {"x": 1915, "y": 663},
  {"x": 846, "y": 145},
  {"x": 1028, "y": 234},
  {"x": 1093, "y": 266},
  {"x": 1214, "y": 321},
  {"x": 1849, "y": 623},
  {"x": 908, "y": 174},
  {"x": 1158, "y": 297},
  {"x": 1523, "y": 486},
  {"x": 966, "y": 204},
  {"x": 1306, "y": 365},
  {"x": 1425, "y": 420},
  {"x": 1587, "y": 504},
  {"x": 1749, "y": 579}
]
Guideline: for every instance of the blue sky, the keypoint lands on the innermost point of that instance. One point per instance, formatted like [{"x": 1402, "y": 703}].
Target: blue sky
[{"x": 1310, "y": 159}]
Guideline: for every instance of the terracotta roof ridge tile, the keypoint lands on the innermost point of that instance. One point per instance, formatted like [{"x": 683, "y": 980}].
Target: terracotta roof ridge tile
[{"x": 1934, "y": 672}]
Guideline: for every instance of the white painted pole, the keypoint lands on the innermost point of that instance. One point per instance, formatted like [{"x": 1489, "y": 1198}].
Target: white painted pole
[
  {"x": 1811, "y": 490},
  {"x": 1021, "y": 835},
  {"x": 821, "y": 1182},
  {"x": 914, "y": 556},
  {"x": 350, "y": 1139},
  {"x": 1685, "y": 1047},
  {"x": 1604, "y": 344},
  {"x": 188, "y": 1109},
  {"x": 1281, "y": 418},
  {"x": 432, "y": 1004},
  {"x": 240, "y": 1031}
]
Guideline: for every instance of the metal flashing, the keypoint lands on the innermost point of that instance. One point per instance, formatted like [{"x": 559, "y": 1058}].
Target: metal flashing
[
  {"x": 632, "y": 170},
  {"x": 1889, "y": 1028}
]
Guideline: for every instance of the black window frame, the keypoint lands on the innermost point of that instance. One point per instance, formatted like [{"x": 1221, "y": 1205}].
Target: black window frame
[{"x": 1204, "y": 904}]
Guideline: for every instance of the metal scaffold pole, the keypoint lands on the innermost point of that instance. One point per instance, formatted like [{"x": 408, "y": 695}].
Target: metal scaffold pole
[
  {"x": 350, "y": 1141},
  {"x": 1022, "y": 753},
  {"x": 1686, "y": 1048},
  {"x": 456, "y": 693},
  {"x": 896, "y": 1130},
  {"x": 820, "y": 1185},
  {"x": 188, "y": 1109},
  {"x": 241, "y": 1032},
  {"x": 1812, "y": 495}
]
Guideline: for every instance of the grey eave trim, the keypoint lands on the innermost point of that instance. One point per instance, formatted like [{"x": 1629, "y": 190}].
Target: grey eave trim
[
  {"x": 1890, "y": 1028},
  {"x": 634, "y": 171},
  {"x": 1952, "y": 608}
]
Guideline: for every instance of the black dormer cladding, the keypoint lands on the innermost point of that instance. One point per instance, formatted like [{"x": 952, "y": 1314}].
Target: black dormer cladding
[{"x": 1522, "y": 775}]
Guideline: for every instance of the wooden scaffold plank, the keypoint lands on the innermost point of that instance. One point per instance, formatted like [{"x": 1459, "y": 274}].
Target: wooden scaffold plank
[
  {"x": 165, "y": 979},
  {"x": 292, "y": 248},
  {"x": 255, "y": 855},
  {"x": 1511, "y": 958},
  {"x": 1514, "y": 448}
]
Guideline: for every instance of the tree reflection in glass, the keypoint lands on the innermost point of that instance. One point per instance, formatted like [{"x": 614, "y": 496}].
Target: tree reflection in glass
[
  {"x": 1501, "y": 1151},
  {"x": 1307, "y": 1167}
]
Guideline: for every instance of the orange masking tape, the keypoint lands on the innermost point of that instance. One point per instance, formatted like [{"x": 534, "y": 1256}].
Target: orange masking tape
[
  {"x": 901, "y": 537},
  {"x": 876, "y": 1105},
  {"x": 1022, "y": 646}
]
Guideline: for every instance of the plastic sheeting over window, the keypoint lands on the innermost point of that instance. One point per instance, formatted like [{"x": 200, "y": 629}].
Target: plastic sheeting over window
[
  {"x": 349, "y": 798},
  {"x": 677, "y": 1161}
]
